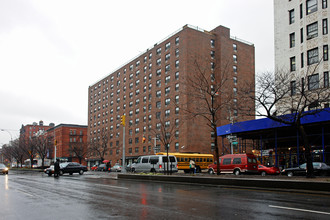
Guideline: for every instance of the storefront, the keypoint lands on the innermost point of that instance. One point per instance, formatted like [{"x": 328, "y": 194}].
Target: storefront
[{"x": 279, "y": 144}]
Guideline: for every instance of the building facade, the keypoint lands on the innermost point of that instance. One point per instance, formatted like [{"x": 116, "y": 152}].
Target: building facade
[
  {"x": 70, "y": 141},
  {"x": 30, "y": 130},
  {"x": 301, "y": 43},
  {"x": 152, "y": 90}
]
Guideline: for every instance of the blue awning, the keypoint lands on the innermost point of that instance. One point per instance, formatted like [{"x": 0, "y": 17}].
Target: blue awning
[{"x": 266, "y": 123}]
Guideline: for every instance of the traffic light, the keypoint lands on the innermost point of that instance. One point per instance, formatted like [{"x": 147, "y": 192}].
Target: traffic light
[
  {"x": 143, "y": 139},
  {"x": 122, "y": 120},
  {"x": 55, "y": 142}
]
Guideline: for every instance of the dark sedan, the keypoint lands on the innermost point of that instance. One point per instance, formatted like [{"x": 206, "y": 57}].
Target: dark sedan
[
  {"x": 72, "y": 167},
  {"x": 3, "y": 168},
  {"x": 319, "y": 169}
]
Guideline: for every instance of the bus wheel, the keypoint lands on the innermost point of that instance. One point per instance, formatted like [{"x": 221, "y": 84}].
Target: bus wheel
[
  {"x": 153, "y": 170},
  {"x": 211, "y": 171}
]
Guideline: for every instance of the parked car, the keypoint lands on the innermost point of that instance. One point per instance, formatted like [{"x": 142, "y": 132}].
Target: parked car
[
  {"x": 3, "y": 168},
  {"x": 129, "y": 167},
  {"x": 266, "y": 170},
  {"x": 116, "y": 168},
  {"x": 155, "y": 163},
  {"x": 236, "y": 164},
  {"x": 102, "y": 167},
  {"x": 72, "y": 167},
  {"x": 50, "y": 170},
  {"x": 93, "y": 168},
  {"x": 319, "y": 169}
]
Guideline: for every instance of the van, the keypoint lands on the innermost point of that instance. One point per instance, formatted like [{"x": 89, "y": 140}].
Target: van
[
  {"x": 155, "y": 163},
  {"x": 236, "y": 164}
]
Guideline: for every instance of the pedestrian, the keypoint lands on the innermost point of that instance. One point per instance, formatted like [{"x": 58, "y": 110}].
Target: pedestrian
[
  {"x": 192, "y": 166},
  {"x": 57, "y": 168},
  {"x": 108, "y": 166}
]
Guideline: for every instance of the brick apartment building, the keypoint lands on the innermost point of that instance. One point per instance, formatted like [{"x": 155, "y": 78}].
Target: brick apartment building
[
  {"x": 67, "y": 136},
  {"x": 155, "y": 86},
  {"x": 30, "y": 130},
  {"x": 70, "y": 142}
]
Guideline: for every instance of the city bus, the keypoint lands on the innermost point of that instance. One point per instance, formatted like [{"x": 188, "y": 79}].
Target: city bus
[{"x": 201, "y": 160}]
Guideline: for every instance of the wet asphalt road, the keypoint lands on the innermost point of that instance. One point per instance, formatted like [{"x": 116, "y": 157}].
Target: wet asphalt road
[{"x": 36, "y": 196}]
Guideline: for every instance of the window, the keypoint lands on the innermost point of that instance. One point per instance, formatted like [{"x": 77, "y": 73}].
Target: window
[
  {"x": 292, "y": 64},
  {"x": 235, "y": 80},
  {"x": 177, "y": 52},
  {"x": 326, "y": 79},
  {"x": 311, "y": 6},
  {"x": 325, "y": 53},
  {"x": 167, "y": 46},
  {"x": 212, "y": 54},
  {"x": 313, "y": 82},
  {"x": 235, "y": 47},
  {"x": 235, "y": 69},
  {"x": 293, "y": 87},
  {"x": 235, "y": 91},
  {"x": 158, "y": 93},
  {"x": 177, "y": 63},
  {"x": 177, "y": 121},
  {"x": 167, "y": 57},
  {"x": 167, "y": 90},
  {"x": 167, "y": 79},
  {"x": 301, "y": 35},
  {"x": 177, "y": 40},
  {"x": 158, "y": 104},
  {"x": 226, "y": 161},
  {"x": 212, "y": 43},
  {"x": 167, "y": 101},
  {"x": 325, "y": 26},
  {"x": 291, "y": 16},
  {"x": 159, "y": 51},
  {"x": 177, "y": 87},
  {"x": 177, "y": 75},
  {"x": 159, "y": 61},
  {"x": 158, "y": 115},
  {"x": 324, "y": 4},
  {"x": 167, "y": 68},
  {"x": 235, "y": 58},
  {"x": 312, "y": 56},
  {"x": 302, "y": 60},
  {"x": 312, "y": 31},
  {"x": 167, "y": 113},
  {"x": 158, "y": 83},
  {"x": 176, "y": 146},
  {"x": 301, "y": 11},
  {"x": 158, "y": 72},
  {"x": 292, "y": 40}
]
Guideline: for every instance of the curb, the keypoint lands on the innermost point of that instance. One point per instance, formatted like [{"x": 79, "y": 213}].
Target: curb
[{"x": 269, "y": 184}]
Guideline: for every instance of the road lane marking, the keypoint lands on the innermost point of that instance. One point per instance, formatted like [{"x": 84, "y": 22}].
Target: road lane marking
[
  {"x": 302, "y": 210},
  {"x": 25, "y": 192},
  {"x": 117, "y": 187}
]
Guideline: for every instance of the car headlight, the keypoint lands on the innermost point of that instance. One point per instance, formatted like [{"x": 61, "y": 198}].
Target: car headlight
[{"x": 6, "y": 169}]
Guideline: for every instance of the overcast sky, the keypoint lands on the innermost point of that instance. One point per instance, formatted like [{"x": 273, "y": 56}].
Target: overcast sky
[{"x": 51, "y": 51}]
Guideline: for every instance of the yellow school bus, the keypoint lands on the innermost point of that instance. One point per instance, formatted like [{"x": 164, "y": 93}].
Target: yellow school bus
[{"x": 201, "y": 160}]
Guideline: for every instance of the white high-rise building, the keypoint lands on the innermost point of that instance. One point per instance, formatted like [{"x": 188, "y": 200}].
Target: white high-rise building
[{"x": 302, "y": 41}]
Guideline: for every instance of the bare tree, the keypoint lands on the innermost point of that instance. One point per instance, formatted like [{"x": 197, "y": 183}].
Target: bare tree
[
  {"x": 210, "y": 94},
  {"x": 15, "y": 151},
  {"x": 165, "y": 133},
  {"x": 286, "y": 98},
  {"x": 29, "y": 146},
  {"x": 78, "y": 149},
  {"x": 101, "y": 144},
  {"x": 43, "y": 146}
]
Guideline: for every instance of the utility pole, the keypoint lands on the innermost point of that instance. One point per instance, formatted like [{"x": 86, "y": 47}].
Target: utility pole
[{"x": 122, "y": 118}]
